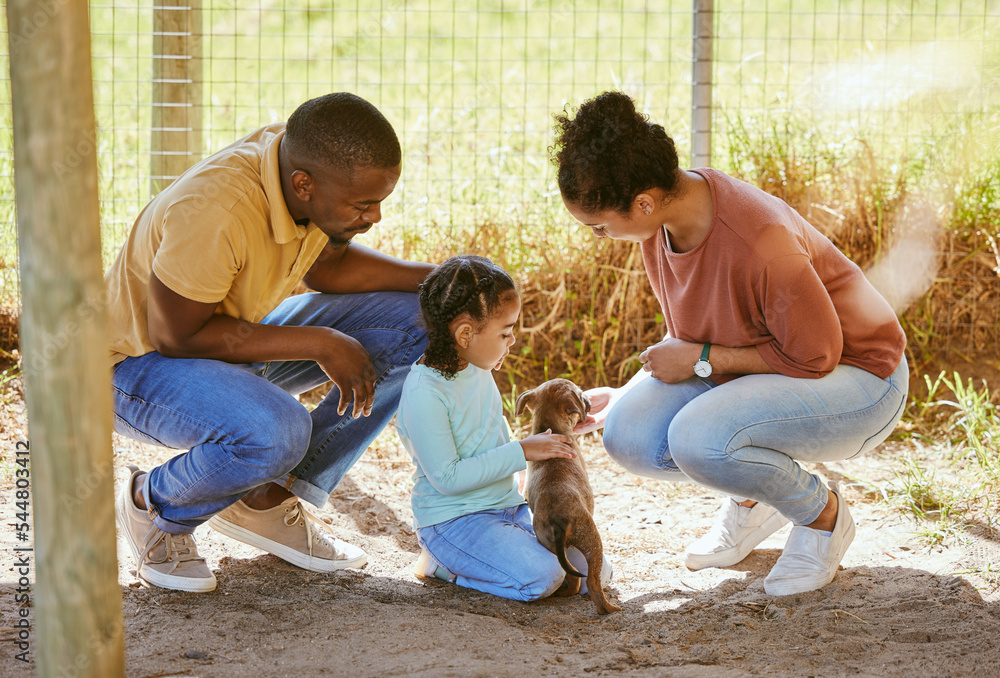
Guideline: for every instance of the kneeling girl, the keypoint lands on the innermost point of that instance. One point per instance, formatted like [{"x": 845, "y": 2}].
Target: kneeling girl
[{"x": 472, "y": 523}]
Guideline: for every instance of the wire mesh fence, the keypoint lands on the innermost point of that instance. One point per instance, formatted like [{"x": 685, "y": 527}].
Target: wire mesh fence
[{"x": 811, "y": 99}]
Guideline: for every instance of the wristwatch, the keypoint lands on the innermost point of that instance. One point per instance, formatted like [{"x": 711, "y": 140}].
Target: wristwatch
[{"x": 703, "y": 368}]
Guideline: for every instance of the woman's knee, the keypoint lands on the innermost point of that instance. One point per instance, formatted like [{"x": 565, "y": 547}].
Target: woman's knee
[
  {"x": 696, "y": 445},
  {"x": 632, "y": 444}
]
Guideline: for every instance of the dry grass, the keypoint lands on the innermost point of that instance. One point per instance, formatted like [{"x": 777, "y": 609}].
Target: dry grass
[
  {"x": 588, "y": 310},
  {"x": 589, "y": 315},
  {"x": 9, "y": 317}
]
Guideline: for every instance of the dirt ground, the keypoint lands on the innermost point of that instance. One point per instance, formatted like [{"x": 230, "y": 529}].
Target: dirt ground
[{"x": 896, "y": 608}]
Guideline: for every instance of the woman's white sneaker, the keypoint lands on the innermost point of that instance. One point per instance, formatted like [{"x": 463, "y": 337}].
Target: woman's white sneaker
[
  {"x": 810, "y": 559},
  {"x": 737, "y": 531}
]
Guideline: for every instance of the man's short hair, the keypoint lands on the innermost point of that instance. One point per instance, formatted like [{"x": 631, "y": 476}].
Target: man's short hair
[{"x": 342, "y": 131}]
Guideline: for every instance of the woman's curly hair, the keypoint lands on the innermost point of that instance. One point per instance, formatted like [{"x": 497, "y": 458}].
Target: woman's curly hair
[
  {"x": 462, "y": 284},
  {"x": 610, "y": 153}
]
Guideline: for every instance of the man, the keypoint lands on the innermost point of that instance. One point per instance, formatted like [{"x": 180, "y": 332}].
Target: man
[{"x": 208, "y": 352}]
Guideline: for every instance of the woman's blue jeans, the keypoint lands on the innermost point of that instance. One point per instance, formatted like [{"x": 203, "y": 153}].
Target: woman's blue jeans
[
  {"x": 242, "y": 425},
  {"x": 745, "y": 437}
]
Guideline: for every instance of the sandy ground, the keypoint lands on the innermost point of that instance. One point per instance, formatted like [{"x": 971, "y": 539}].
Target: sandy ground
[{"x": 896, "y": 608}]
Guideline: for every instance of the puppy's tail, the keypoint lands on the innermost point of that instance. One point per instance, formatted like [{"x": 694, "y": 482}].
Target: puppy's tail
[{"x": 559, "y": 537}]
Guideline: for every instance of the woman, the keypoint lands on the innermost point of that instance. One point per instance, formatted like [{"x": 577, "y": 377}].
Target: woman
[{"x": 778, "y": 350}]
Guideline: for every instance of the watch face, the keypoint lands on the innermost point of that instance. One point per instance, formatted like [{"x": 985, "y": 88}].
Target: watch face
[{"x": 703, "y": 368}]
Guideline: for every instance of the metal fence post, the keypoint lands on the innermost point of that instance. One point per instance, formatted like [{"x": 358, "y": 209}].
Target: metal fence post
[
  {"x": 177, "y": 90},
  {"x": 701, "y": 83}
]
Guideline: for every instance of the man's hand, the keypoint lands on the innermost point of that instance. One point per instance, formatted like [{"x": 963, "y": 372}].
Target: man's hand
[
  {"x": 182, "y": 328},
  {"x": 350, "y": 368}
]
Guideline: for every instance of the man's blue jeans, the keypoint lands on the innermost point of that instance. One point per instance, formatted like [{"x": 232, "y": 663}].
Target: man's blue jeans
[
  {"x": 745, "y": 437},
  {"x": 242, "y": 425}
]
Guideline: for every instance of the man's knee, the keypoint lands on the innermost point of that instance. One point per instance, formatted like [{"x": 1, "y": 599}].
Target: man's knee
[
  {"x": 405, "y": 308},
  {"x": 281, "y": 439},
  {"x": 396, "y": 336}
]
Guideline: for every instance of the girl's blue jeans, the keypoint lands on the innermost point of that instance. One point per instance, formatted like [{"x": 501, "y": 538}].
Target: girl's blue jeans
[
  {"x": 496, "y": 552},
  {"x": 242, "y": 425},
  {"x": 746, "y": 437}
]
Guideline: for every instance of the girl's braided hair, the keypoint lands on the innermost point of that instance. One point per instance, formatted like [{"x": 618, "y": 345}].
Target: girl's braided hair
[
  {"x": 610, "y": 153},
  {"x": 462, "y": 284}
]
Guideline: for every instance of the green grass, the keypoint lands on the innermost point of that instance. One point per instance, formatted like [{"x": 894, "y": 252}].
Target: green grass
[
  {"x": 951, "y": 479},
  {"x": 472, "y": 94}
]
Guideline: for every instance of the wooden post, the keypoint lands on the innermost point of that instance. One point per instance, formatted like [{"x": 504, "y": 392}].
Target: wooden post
[
  {"x": 77, "y": 600},
  {"x": 177, "y": 90},
  {"x": 701, "y": 83}
]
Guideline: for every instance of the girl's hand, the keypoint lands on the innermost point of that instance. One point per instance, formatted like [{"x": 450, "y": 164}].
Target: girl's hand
[
  {"x": 672, "y": 360},
  {"x": 547, "y": 446}
]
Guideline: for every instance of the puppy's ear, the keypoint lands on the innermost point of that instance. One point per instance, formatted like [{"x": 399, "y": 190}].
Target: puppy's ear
[
  {"x": 525, "y": 400},
  {"x": 580, "y": 405}
]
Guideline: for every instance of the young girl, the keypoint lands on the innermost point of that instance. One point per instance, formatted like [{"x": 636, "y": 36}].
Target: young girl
[{"x": 473, "y": 526}]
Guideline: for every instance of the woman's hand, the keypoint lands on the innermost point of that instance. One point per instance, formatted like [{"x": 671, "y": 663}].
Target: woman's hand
[
  {"x": 547, "y": 445},
  {"x": 600, "y": 404},
  {"x": 672, "y": 360}
]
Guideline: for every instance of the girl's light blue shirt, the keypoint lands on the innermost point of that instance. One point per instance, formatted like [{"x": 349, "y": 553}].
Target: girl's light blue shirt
[{"x": 460, "y": 442}]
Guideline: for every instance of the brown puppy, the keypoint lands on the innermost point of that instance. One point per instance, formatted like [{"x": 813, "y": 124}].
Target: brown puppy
[{"x": 558, "y": 491}]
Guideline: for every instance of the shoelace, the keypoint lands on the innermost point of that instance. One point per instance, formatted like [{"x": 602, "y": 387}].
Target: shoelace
[
  {"x": 180, "y": 548},
  {"x": 312, "y": 530}
]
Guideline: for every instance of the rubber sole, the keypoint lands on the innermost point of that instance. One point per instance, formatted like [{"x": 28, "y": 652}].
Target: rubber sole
[
  {"x": 788, "y": 588},
  {"x": 288, "y": 554},
  {"x": 158, "y": 579}
]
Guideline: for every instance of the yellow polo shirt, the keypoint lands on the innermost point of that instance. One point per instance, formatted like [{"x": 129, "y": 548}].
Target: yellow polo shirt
[{"x": 220, "y": 234}]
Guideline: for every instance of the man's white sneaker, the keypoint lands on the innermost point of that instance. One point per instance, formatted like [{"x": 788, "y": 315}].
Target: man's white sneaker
[
  {"x": 737, "y": 531},
  {"x": 170, "y": 561},
  {"x": 810, "y": 559},
  {"x": 289, "y": 532}
]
